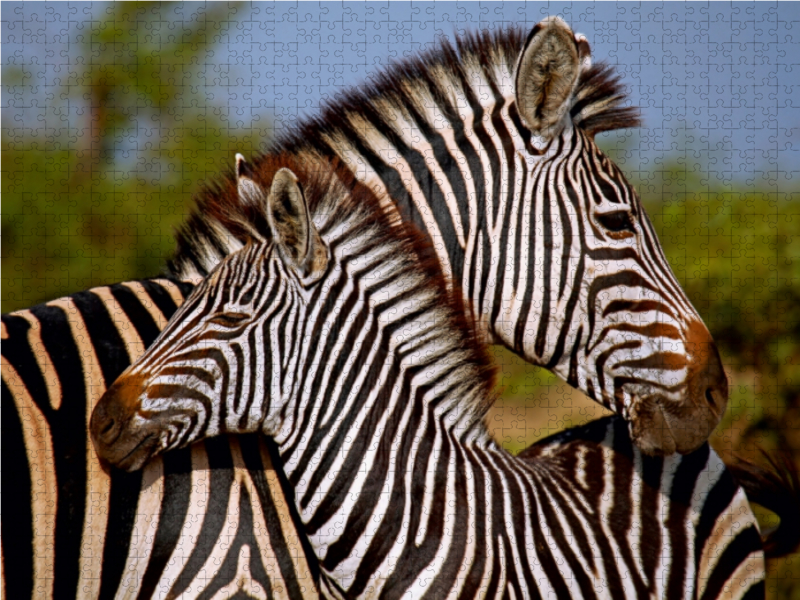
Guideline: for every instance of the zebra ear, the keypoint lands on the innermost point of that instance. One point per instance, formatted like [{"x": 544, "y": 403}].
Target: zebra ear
[
  {"x": 547, "y": 75},
  {"x": 295, "y": 233}
]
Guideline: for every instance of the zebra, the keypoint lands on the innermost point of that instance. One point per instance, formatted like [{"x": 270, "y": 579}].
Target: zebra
[
  {"x": 206, "y": 521},
  {"x": 331, "y": 330},
  {"x": 488, "y": 149},
  {"x": 26, "y": 336}
]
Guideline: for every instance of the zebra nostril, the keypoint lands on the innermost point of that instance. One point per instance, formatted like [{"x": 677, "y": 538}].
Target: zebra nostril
[
  {"x": 107, "y": 428},
  {"x": 114, "y": 410},
  {"x": 716, "y": 383},
  {"x": 104, "y": 427},
  {"x": 710, "y": 397},
  {"x": 715, "y": 388}
]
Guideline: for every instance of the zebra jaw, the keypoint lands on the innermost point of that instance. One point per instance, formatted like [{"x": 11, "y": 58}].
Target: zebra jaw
[{"x": 659, "y": 429}]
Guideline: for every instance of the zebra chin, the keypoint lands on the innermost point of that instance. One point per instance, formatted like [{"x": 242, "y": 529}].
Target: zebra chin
[
  {"x": 660, "y": 428},
  {"x": 133, "y": 454}
]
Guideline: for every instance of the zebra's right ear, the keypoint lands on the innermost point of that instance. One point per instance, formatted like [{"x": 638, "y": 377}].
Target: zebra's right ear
[
  {"x": 547, "y": 75},
  {"x": 294, "y": 231}
]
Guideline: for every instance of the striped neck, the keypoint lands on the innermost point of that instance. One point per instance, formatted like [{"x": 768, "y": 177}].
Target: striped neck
[
  {"x": 438, "y": 115},
  {"x": 379, "y": 307}
]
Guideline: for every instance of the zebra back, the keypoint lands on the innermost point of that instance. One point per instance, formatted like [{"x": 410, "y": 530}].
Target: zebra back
[
  {"x": 599, "y": 463},
  {"x": 207, "y": 519}
]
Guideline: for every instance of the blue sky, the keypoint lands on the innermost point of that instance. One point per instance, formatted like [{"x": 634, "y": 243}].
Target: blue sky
[{"x": 719, "y": 83}]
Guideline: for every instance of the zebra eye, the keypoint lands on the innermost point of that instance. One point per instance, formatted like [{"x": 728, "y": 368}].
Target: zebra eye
[
  {"x": 229, "y": 319},
  {"x": 617, "y": 222}
]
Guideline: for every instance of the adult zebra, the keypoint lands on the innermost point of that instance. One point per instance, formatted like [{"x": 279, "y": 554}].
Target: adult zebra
[
  {"x": 488, "y": 148},
  {"x": 326, "y": 331},
  {"x": 204, "y": 522}
]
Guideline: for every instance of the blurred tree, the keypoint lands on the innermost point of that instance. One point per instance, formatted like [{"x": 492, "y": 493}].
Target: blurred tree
[{"x": 95, "y": 200}]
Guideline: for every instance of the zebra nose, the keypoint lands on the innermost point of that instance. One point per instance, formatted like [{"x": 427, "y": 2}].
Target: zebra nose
[
  {"x": 707, "y": 382},
  {"x": 114, "y": 410},
  {"x": 660, "y": 427},
  {"x": 104, "y": 427}
]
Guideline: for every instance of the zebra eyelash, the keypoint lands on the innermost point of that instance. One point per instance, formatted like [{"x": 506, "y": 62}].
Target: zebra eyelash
[
  {"x": 619, "y": 221},
  {"x": 229, "y": 319}
]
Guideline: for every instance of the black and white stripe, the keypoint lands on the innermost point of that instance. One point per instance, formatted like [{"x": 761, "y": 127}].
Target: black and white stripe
[
  {"x": 541, "y": 232},
  {"x": 203, "y": 521},
  {"x": 375, "y": 389}
]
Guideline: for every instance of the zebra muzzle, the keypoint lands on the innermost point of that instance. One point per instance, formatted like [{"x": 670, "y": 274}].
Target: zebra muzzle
[
  {"x": 662, "y": 426},
  {"x": 115, "y": 439}
]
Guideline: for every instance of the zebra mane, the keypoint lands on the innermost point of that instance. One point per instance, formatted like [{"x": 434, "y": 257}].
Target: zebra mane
[
  {"x": 220, "y": 224},
  {"x": 599, "y": 102}
]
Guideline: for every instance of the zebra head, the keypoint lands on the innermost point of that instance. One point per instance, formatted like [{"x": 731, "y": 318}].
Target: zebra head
[
  {"x": 586, "y": 290},
  {"x": 195, "y": 381}
]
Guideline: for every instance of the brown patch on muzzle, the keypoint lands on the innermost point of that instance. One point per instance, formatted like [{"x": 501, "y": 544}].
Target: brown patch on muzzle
[
  {"x": 662, "y": 427},
  {"x": 111, "y": 415}
]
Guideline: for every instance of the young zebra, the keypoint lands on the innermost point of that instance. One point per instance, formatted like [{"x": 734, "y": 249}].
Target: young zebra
[
  {"x": 211, "y": 519},
  {"x": 326, "y": 331},
  {"x": 488, "y": 149}
]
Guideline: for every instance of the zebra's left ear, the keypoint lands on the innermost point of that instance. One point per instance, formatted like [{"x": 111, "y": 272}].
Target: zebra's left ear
[
  {"x": 294, "y": 231},
  {"x": 547, "y": 75}
]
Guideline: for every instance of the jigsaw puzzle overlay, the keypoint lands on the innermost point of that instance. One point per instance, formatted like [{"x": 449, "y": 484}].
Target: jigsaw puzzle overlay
[{"x": 114, "y": 115}]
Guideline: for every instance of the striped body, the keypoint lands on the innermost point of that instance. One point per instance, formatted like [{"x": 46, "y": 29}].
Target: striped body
[
  {"x": 202, "y": 522},
  {"x": 547, "y": 241},
  {"x": 325, "y": 331},
  {"x": 638, "y": 499}
]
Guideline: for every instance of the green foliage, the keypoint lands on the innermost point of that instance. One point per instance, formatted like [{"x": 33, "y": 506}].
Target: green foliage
[
  {"x": 734, "y": 250},
  {"x": 96, "y": 202}
]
